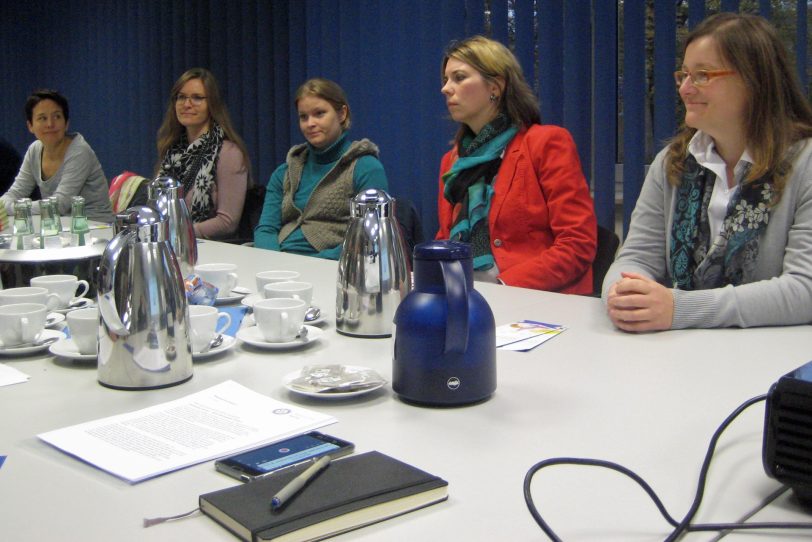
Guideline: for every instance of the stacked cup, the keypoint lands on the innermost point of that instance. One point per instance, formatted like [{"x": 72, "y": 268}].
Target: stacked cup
[
  {"x": 280, "y": 313},
  {"x": 21, "y": 323}
]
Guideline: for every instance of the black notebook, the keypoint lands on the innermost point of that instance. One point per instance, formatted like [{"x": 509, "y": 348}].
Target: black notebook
[{"x": 350, "y": 493}]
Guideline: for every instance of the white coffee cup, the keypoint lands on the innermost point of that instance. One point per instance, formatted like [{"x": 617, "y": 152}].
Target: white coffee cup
[
  {"x": 279, "y": 320},
  {"x": 29, "y": 294},
  {"x": 291, "y": 290},
  {"x": 84, "y": 329},
  {"x": 221, "y": 275},
  {"x": 64, "y": 286},
  {"x": 270, "y": 277},
  {"x": 21, "y": 323},
  {"x": 203, "y": 321}
]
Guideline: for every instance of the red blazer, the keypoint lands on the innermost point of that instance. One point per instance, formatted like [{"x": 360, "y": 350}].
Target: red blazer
[{"x": 542, "y": 220}]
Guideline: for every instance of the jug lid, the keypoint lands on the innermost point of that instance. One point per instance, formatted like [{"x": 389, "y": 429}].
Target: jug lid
[
  {"x": 146, "y": 222},
  {"x": 372, "y": 198},
  {"x": 164, "y": 185},
  {"x": 442, "y": 250}
]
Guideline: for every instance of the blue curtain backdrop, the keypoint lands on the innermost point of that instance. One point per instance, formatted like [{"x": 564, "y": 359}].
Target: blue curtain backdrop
[{"x": 116, "y": 60}]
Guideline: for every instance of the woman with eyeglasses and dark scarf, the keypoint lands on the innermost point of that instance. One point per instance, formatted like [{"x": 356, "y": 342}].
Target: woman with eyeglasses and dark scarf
[
  {"x": 721, "y": 234},
  {"x": 198, "y": 146}
]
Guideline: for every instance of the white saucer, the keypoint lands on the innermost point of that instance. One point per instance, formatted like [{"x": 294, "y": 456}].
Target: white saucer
[
  {"x": 86, "y": 304},
  {"x": 66, "y": 348},
  {"x": 228, "y": 299},
  {"x": 288, "y": 378},
  {"x": 17, "y": 350},
  {"x": 249, "y": 320},
  {"x": 252, "y": 336},
  {"x": 250, "y": 299},
  {"x": 53, "y": 319},
  {"x": 228, "y": 343}
]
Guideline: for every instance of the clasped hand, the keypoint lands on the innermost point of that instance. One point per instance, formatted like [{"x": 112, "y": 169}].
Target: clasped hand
[{"x": 638, "y": 303}]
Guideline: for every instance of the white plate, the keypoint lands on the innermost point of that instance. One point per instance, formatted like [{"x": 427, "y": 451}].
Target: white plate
[
  {"x": 46, "y": 334},
  {"x": 288, "y": 378},
  {"x": 250, "y": 299},
  {"x": 53, "y": 319},
  {"x": 66, "y": 348},
  {"x": 228, "y": 343},
  {"x": 228, "y": 299},
  {"x": 86, "y": 304},
  {"x": 252, "y": 336}
]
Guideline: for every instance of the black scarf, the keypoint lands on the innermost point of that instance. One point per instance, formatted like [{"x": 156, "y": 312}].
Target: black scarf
[{"x": 195, "y": 166}]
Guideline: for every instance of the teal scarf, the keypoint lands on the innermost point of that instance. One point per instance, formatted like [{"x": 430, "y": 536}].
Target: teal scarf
[{"x": 469, "y": 187}]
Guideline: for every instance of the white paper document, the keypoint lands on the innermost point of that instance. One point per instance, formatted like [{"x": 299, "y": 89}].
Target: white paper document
[
  {"x": 212, "y": 423},
  {"x": 526, "y": 335},
  {"x": 10, "y": 375}
]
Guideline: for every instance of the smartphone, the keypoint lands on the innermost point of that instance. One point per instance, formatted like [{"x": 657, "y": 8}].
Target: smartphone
[{"x": 272, "y": 458}]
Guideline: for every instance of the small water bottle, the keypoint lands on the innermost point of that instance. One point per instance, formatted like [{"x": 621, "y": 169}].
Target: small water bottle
[
  {"x": 57, "y": 215},
  {"x": 48, "y": 228},
  {"x": 79, "y": 228},
  {"x": 23, "y": 225}
]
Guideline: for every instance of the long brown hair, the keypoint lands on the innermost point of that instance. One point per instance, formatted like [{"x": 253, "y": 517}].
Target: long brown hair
[
  {"x": 493, "y": 60},
  {"x": 170, "y": 131},
  {"x": 777, "y": 113}
]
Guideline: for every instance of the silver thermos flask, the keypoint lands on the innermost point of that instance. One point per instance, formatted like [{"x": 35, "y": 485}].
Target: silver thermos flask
[{"x": 144, "y": 320}]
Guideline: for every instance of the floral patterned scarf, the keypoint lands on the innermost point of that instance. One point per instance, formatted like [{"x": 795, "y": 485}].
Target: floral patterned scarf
[{"x": 699, "y": 262}]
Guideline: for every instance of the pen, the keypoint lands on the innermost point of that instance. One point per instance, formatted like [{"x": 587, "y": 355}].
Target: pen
[{"x": 296, "y": 485}]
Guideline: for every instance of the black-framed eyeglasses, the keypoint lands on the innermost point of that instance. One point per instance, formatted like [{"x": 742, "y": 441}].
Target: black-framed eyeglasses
[
  {"x": 699, "y": 78},
  {"x": 196, "y": 99}
]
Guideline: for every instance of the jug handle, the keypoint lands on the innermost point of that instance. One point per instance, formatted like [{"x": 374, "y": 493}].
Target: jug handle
[
  {"x": 456, "y": 289},
  {"x": 107, "y": 302}
]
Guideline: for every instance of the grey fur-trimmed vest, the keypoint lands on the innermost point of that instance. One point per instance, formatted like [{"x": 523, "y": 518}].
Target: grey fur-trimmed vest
[{"x": 327, "y": 212}]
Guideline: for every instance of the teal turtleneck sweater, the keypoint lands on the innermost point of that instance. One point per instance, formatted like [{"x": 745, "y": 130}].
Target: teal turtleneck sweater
[{"x": 368, "y": 173}]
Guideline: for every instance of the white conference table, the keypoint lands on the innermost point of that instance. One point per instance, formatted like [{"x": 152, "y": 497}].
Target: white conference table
[{"x": 650, "y": 402}]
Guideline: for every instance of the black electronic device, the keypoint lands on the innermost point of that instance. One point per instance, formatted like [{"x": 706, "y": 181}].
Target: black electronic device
[
  {"x": 787, "y": 452},
  {"x": 278, "y": 456}
]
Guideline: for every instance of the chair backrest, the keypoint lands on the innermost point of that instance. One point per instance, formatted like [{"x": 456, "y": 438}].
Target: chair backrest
[
  {"x": 251, "y": 212},
  {"x": 409, "y": 221},
  {"x": 608, "y": 243}
]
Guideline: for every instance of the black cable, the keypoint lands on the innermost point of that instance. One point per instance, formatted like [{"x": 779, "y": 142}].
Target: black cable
[{"x": 680, "y": 527}]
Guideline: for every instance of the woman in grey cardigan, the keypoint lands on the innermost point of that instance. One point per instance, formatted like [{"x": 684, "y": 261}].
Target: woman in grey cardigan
[
  {"x": 722, "y": 231},
  {"x": 61, "y": 164}
]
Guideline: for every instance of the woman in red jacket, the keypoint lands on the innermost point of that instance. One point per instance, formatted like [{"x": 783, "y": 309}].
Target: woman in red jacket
[{"x": 510, "y": 186}]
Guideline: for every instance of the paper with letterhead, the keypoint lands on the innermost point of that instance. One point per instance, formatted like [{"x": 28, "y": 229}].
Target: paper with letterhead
[
  {"x": 10, "y": 375},
  {"x": 526, "y": 335},
  {"x": 221, "y": 420}
]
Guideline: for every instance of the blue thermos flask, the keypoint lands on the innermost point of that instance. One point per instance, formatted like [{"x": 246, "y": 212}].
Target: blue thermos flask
[{"x": 444, "y": 334}]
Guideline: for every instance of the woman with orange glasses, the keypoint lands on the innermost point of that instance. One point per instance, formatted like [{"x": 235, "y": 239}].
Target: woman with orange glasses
[{"x": 722, "y": 231}]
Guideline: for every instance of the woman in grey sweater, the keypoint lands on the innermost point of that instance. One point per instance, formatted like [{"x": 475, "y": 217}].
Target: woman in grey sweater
[
  {"x": 61, "y": 164},
  {"x": 721, "y": 234}
]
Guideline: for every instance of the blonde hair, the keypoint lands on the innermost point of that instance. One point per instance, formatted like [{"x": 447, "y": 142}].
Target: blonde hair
[
  {"x": 494, "y": 61},
  {"x": 171, "y": 129},
  {"x": 777, "y": 112},
  {"x": 328, "y": 91}
]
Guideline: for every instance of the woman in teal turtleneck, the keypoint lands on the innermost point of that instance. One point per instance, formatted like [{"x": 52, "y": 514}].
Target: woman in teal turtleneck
[{"x": 307, "y": 205}]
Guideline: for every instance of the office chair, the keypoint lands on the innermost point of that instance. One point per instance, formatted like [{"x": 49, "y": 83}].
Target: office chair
[{"x": 608, "y": 243}]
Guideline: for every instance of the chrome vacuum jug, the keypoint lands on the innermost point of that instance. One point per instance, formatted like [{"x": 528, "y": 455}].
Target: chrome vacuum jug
[
  {"x": 374, "y": 272},
  {"x": 445, "y": 337},
  {"x": 166, "y": 196},
  {"x": 144, "y": 321}
]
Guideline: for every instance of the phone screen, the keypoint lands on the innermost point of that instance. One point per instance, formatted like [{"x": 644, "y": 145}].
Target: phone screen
[{"x": 283, "y": 454}]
